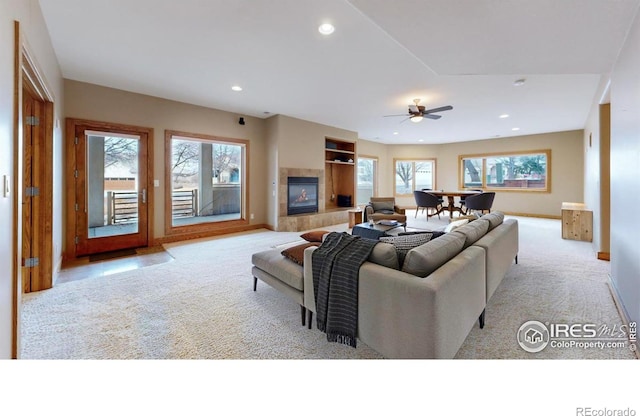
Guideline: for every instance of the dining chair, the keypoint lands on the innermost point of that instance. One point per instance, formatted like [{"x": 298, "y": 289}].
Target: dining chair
[
  {"x": 427, "y": 201},
  {"x": 481, "y": 202},
  {"x": 463, "y": 198},
  {"x": 441, "y": 199}
]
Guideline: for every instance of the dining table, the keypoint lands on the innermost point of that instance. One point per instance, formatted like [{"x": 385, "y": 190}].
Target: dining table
[{"x": 450, "y": 195}]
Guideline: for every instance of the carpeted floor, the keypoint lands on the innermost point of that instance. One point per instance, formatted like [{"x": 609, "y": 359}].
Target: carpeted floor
[{"x": 202, "y": 306}]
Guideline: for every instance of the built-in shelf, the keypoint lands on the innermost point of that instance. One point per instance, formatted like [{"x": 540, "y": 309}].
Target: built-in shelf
[
  {"x": 340, "y": 163},
  {"x": 349, "y": 152},
  {"x": 340, "y": 173}
]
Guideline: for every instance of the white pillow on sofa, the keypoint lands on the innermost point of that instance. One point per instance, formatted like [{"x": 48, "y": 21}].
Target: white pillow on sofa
[{"x": 455, "y": 224}]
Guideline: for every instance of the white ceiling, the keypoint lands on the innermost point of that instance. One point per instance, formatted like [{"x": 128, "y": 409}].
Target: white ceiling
[{"x": 383, "y": 54}]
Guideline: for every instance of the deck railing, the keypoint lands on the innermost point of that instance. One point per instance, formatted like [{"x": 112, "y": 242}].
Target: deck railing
[{"x": 122, "y": 206}]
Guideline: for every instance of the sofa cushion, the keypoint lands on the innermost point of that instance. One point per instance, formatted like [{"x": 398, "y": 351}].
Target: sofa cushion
[
  {"x": 314, "y": 235},
  {"x": 383, "y": 206},
  {"x": 495, "y": 218},
  {"x": 285, "y": 270},
  {"x": 296, "y": 253},
  {"x": 404, "y": 243},
  {"x": 473, "y": 231},
  {"x": 385, "y": 255},
  {"x": 425, "y": 259},
  {"x": 455, "y": 224}
]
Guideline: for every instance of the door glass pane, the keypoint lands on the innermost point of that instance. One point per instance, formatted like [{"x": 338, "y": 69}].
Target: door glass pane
[
  {"x": 206, "y": 181},
  {"x": 112, "y": 185}
]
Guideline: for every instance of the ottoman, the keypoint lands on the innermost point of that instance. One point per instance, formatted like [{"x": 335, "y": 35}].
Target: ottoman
[{"x": 282, "y": 274}]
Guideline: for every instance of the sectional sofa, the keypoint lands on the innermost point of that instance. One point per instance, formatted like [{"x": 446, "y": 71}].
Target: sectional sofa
[{"x": 424, "y": 308}]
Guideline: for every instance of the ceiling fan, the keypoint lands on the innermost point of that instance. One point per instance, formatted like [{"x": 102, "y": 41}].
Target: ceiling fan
[{"x": 418, "y": 112}]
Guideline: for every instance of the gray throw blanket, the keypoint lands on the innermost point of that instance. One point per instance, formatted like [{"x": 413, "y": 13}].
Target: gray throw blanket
[{"x": 336, "y": 264}]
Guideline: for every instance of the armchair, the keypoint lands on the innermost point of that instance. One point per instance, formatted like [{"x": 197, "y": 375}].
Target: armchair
[{"x": 384, "y": 208}]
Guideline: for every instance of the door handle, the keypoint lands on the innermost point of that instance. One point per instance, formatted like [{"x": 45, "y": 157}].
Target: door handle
[{"x": 144, "y": 195}]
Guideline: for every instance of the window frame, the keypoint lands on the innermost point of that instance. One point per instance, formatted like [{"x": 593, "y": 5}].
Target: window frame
[
  {"x": 413, "y": 179},
  {"x": 202, "y": 228},
  {"x": 485, "y": 156}
]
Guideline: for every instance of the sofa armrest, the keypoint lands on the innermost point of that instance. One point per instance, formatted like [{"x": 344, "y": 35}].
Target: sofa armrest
[
  {"x": 368, "y": 210},
  {"x": 404, "y": 316},
  {"x": 501, "y": 246},
  {"x": 309, "y": 294},
  {"x": 399, "y": 210}
]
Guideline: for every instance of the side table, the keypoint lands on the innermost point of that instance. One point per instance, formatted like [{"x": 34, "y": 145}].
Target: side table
[
  {"x": 355, "y": 217},
  {"x": 577, "y": 222}
]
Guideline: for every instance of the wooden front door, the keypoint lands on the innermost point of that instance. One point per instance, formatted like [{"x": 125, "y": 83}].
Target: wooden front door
[{"x": 111, "y": 199}]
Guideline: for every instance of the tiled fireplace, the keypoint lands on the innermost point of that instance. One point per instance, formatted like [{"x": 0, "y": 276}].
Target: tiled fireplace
[{"x": 305, "y": 221}]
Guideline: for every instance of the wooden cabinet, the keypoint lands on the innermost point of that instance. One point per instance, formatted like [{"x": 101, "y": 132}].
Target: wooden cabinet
[
  {"x": 577, "y": 222},
  {"x": 340, "y": 173}
]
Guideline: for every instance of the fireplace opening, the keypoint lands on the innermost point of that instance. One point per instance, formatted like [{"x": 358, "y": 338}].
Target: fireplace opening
[{"x": 302, "y": 195}]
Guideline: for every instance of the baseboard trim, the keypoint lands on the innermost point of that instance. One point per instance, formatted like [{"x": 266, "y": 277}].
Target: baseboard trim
[
  {"x": 184, "y": 237},
  {"x": 621, "y": 310},
  {"x": 522, "y": 214},
  {"x": 604, "y": 255}
]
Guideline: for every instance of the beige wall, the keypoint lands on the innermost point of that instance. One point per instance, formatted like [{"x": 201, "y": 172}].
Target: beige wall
[
  {"x": 566, "y": 168},
  {"x": 92, "y": 102},
  {"x": 37, "y": 42},
  {"x": 301, "y": 143},
  {"x": 298, "y": 144}
]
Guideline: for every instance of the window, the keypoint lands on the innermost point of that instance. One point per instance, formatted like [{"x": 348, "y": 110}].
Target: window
[
  {"x": 206, "y": 181},
  {"x": 367, "y": 179},
  {"x": 411, "y": 175},
  {"x": 517, "y": 171}
]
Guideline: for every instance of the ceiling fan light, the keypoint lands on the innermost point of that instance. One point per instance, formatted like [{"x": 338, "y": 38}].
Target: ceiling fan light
[{"x": 416, "y": 119}]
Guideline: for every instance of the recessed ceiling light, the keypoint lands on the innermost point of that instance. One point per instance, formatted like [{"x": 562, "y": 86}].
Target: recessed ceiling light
[
  {"x": 515, "y": 128},
  {"x": 395, "y": 133},
  {"x": 519, "y": 82},
  {"x": 326, "y": 28},
  {"x": 421, "y": 140},
  {"x": 236, "y": 88},
  {"x": 504, "y": 115}
]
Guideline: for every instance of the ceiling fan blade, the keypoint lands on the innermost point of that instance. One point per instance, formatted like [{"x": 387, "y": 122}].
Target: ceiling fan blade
[
  {"x": 432, "y": 116},
  {"x": 404, "y": 120},
  {"x": 413, "y": 108},
  {"x": 396, "y": 115},
  {"x": 436, "y": 110}
]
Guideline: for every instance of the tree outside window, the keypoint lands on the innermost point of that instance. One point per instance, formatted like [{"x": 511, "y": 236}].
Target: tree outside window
[{"x": 411, "y": 175}]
